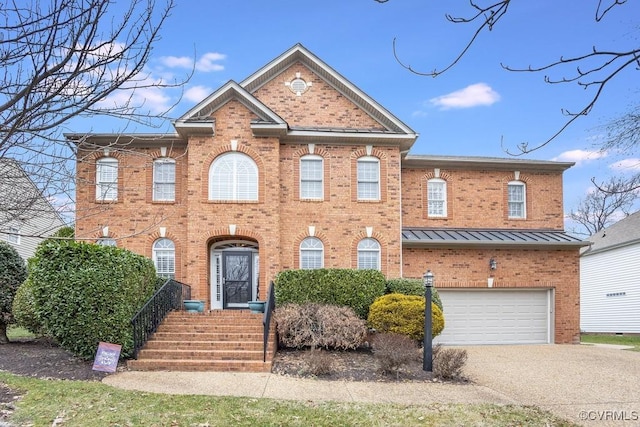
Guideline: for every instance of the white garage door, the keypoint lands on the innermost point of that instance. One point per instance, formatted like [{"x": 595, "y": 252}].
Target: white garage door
[{"x": 491, "y": 316}]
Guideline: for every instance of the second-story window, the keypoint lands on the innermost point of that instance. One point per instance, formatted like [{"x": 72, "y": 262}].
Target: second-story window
[
  {"x": 233, "y": 177},
  {"x": 517, "y": 199},
  {"x": 164, "y": 180},
  {"x": 437, "y": 198},
  {"x": 107, "y": 179},
  {"x": 311, "y": 253},
  {"x": 368, "y": 169},
  {"x": 311, "y": 177}
]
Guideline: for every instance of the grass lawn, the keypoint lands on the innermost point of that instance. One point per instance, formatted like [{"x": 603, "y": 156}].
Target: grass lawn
[
  {"x": 14, "y": 333},
  {"x": 79, "y": 403},
  {"x": 632, "y": 340}
]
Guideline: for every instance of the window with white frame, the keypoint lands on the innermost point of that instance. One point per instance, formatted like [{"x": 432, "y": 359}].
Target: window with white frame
[
  {"x": 437, "y": 198},
  {"x": 517, "y": 199},
  {"x": 311, "y": 177},
  {"x": 368, "y": 254},
  {"x": 164, "y": 180},
  {"x": 311, "y": 253},
  {"x": 164, "y": 258},
  {"x": 106, "y": 241},
  {"x": 233, "y": 176},
  {"x": 368, "y": 170},
  {"x": 107, "y": 179},
  {"x": 12, "y": 235}
]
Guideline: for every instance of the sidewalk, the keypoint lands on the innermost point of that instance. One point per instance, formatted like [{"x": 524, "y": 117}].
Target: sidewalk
[{"x": 274, "y": 386}]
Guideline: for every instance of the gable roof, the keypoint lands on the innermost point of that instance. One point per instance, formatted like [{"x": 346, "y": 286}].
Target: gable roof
[
  {"x": 623, "y": 233},
  {"x": 269, "y": 123}
]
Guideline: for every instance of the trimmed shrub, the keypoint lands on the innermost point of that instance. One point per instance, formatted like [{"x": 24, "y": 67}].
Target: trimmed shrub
[
  {"x": 412, "y": 287},
  {"x": 449, "y": 362},
  {"x": 86, "y": 293},
  {"x": 344, "y": 287},
  {"x": 393, "y": 351},
  {"x": 12, "y": 273},
  {"x": 24, "y": 309},
  {"x": 318, "y": 325},
  {"x": 319, "y": 362},
  {"x": 404, "y": 314}
]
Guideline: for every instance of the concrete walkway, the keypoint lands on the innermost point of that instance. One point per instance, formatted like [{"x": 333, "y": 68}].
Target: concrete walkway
[{"x": 589, "y": 385}]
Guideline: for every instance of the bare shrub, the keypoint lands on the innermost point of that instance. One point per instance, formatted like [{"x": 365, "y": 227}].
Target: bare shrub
[
  {"x": 319, "y": 362},
  {"x": 318, "y": 325},
  {"x": 393, "y": 351},
  {"x": 448, "y": 363}
]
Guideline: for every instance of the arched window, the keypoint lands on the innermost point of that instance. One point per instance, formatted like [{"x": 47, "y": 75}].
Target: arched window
[
  {"x": 107, "y": 241},
  {"x": 368, "y": 254},
  {"x": 233, "y": 176},
  {"x": 436, "y": 197},
  {"x": 164, "y": 258},
  {"x": 517, "y": 199},
  {"x": 164, "y": 180},
  {"x": 311, "y": 253},
  {"x": 311, "y": 177},
  {"x": 107, "y": 179},
  {"x": 368, "y": 169}
]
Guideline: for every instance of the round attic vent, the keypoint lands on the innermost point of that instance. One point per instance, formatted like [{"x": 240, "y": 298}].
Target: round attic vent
[{"x": 298, "y": 86}]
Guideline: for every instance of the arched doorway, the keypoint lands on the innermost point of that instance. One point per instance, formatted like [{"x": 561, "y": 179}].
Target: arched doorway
[{"x": 234, "y": 273}]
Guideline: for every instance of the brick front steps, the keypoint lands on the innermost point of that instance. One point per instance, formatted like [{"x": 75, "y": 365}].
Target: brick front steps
[{"x": 221, "y": 340}]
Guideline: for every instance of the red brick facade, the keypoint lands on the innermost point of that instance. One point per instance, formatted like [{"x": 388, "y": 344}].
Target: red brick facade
[{"x": 332, "y": 120}]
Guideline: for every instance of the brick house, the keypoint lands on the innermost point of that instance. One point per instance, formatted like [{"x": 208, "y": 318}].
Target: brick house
[{"x": 295, "y": 167}]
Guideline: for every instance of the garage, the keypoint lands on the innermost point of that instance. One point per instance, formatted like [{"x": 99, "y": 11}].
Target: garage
[{"x": 492, "y": 316}]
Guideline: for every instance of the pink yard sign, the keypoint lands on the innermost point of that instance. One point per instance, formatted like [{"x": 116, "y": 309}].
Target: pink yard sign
[{"x": 107, "y": 357}]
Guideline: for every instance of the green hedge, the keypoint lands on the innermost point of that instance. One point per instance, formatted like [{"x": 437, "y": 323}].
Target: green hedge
[
  {"x": 412, "y": 287},
  {"x": 352, "y": 288},
  {"x": 13, "y": 272},
  {"x": 86, "y": 293}
]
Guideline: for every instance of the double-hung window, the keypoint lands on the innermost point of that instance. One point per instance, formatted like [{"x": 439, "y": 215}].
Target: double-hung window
[
  {"x": 164, "y": 258},
  {"x": 233, "y": 177},
  {"x": 368, "y": 170},
  {"x": 164, "y": 180},
  {"x": 311, "y": 177},
  {"x": 311, "y": 253},
  {"x": 368, "y": 254},
  {"x": 517, "y": 199},
  {"x": 437, "y": 198},
  {"x": 107, "y": 179}
]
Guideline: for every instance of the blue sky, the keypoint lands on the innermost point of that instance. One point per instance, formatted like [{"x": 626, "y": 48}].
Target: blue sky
[{"x": 476, "y": 108}]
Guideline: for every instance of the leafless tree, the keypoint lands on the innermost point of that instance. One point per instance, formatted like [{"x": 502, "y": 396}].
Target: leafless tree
[
  {"x": 594, "y": 69},
  {"x": 70, "y": 59},
  {"x": 606, "y": 204}
]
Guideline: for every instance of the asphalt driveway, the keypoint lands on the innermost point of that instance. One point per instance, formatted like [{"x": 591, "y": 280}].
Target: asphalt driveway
[{"x": 589, "y": 385}]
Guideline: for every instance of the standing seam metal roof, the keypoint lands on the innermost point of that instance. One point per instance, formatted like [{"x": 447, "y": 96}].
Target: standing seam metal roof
[{"x": 439, "y": 236}]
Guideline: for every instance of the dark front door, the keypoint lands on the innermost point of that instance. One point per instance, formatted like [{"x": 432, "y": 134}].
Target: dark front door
[{"x": 236, "y": 278}]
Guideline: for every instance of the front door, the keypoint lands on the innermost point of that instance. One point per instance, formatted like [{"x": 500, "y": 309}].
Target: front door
[{"x": 236, "y": 278}]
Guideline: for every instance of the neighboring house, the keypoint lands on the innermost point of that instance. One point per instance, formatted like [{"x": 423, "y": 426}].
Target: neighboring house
[
  {"x": 295, "y": 167},
  {"x": 610, "y": 279},
  {"x": 26, "y": 216}
]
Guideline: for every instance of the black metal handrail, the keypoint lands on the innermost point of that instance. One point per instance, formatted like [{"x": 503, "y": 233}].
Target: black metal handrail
[
  {"x": 269, "y": 306},
  {"x": 146, "y": 321}
]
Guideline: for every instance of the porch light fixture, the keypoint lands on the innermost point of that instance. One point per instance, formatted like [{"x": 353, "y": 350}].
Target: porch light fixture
[
  {"x": 427, "y": 345},
  {"x": 493, "y": 264}
]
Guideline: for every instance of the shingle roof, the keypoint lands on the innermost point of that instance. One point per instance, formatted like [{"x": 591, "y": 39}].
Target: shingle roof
[
  {"x": 491, "y": 237},
  {"x": 622, "y": 233}
]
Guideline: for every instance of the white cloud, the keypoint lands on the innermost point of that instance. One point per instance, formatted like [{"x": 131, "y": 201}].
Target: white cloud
[
  {"x": 626, "y": 165},
  {"x": 580, "y": 156},
  {"x": 197, "y": 93},
  {"x": 207, "y": 62},
  {"x": 471, "y": 96}
]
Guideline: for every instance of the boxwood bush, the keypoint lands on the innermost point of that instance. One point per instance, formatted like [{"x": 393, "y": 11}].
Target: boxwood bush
[
  {"x": 352, "y": 288},
  {"x": 24, "y": 309},
  {"x": 412, "y": 287},
  {"x": 404, "y": 314},
  {"x": 86, "y": 293},
  {"x": 12, "y": 273}
]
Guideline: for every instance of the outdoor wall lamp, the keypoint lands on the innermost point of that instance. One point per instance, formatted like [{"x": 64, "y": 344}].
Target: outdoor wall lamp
[{"x": 493, "y": 264}]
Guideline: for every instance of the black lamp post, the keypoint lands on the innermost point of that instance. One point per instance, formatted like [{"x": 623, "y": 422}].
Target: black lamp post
[{"x": 427, "y": 345}]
